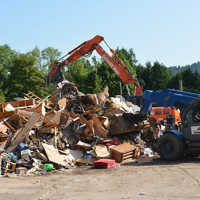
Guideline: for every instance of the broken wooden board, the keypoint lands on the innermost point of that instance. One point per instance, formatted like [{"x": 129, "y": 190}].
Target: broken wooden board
[
  {"x": 54, "y": 156},
  {"x": 17, "y": 104},
  {"x": 4, "y": 115},
  {"x": 82, "y": 145},
  {"x": 52, "y": 118},
  {"x": 62, "y": 103},
  {"x": 101, "y": 151},
  {"x": 21, "y": 134},
  {"x": 46, "y": 130},
  {"x": 99, "y": 130},
  {"x": 3, "y": 128},
  {"x": 15, "y": 122},
  {"x": 37, "y": 108},
  {"x": 41, "y": 156}
]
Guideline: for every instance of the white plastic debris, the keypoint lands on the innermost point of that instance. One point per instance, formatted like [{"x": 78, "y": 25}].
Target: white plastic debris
[
  {"x": 149, "y": 152},
  {"x": 9, "y": 107},
  {"x": 124, "y": 105}
]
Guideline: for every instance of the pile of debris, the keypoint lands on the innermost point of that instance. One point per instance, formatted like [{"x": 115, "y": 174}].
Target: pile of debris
[{"x": 68, "y": 129}]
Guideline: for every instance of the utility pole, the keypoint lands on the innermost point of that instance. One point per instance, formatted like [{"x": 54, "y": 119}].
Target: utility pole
[{"x": 181, "y": 84}]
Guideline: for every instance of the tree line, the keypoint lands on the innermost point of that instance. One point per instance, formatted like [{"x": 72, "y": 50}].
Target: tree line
[{"x": 23, "y": 72}]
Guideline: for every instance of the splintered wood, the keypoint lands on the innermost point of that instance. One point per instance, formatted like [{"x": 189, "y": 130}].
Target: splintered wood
[
  {"x": 21, "y": 134},
  {"x": 52, "y": 118},
  {"x": 16, "y": 104}
]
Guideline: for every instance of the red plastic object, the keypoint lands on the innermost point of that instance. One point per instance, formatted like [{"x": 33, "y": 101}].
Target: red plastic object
[
  {"x": 104, "y": 163},
  {"x": 115, "y": 141}
]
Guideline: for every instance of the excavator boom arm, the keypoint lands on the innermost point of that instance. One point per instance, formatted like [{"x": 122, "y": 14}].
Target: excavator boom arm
[{"x": 87, "y": 47}]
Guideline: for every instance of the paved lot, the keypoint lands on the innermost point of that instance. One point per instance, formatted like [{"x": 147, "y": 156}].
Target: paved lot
[{"x": 149, "y": 180}]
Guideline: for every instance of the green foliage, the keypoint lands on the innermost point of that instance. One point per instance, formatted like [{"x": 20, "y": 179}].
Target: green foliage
[
  {"x": 24, "y": 76},
  {"x": 38, "y": 56},
  {"x": 155, "y": 76},
  {"x": 6, "y": 56},
  {"x": 49, "y": 55},
  {"x": 109, "y": 78},
  {"x": 160, "y": 76},
  {"x": 2, "y": 97},
  {"x": 191, "y": 81},
  {"x": 78, "y": 72},
  {"x": 20, "y": 73},
  {"x": 6, "y": 61}
]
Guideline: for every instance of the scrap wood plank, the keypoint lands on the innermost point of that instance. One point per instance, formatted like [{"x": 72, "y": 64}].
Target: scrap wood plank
[
  {"x": 54, "y": 156},
  {"x": 101, "y": 151},
  {"x": 15, "y": 104},
  {"x": 6, "y": 114},
  {"x": 52, "y": 118},
  {"x": 21, "y": 134},
  {"x": 46, "y": 130}
]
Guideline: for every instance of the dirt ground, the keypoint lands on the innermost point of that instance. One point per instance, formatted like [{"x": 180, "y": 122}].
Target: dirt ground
[{"x": 147, "y": 179}]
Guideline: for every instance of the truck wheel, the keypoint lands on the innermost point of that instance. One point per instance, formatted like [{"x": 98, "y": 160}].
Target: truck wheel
[{"x": 171, "y": 148}]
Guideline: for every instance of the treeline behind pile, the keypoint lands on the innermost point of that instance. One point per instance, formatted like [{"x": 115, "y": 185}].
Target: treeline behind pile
[{"x": 21, "y": 72}]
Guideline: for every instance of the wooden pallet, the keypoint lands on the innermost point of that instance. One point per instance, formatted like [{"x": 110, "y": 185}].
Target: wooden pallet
[
  {"x": 123, "y": 152},
  {"x": 31, "y": 95}
]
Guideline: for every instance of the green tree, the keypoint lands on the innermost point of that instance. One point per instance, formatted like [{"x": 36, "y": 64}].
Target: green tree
[
  {"x": 49, "y": 55},
  {"x": 6, "y": 62},
  {"x": 191, "y": 81},
  {"x": 110, "y": 78},
  {"x": 155, "y": 76},
  {"x": 160, "y": 76},
  {"x": 144, "y": 74},
  {"x": 78, "y": 72},
  {"x": 39, "y": 60},
  {"x": 24, "y": 76},
  {"x": 174, "y": 81}
]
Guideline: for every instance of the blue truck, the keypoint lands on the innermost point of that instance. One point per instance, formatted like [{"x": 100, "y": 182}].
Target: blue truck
[{"x": 174, "y": 144}]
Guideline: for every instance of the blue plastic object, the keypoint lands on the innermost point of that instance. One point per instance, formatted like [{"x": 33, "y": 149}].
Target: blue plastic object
[
  {"x": 88, "y": 155},
  {"x": 22, "y": 147},
  {"x": 12, "y": 156}
]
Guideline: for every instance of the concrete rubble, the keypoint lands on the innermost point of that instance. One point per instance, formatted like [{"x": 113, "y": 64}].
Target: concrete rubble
[{"x": 69, "y": 129}]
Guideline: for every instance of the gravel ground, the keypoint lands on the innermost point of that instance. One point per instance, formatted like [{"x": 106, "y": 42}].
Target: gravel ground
[{"x": 147, "y": 179}]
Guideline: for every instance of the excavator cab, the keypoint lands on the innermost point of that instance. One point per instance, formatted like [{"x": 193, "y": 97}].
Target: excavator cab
[
  {"x": 175, "y": 144},
  {"x": 191, "y": 123}
]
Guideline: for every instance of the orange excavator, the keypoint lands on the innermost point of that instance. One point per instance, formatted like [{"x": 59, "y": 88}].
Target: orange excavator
[{"x": 87, "y": 47}]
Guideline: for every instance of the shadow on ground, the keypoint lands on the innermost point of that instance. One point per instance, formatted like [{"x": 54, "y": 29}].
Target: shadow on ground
[{"x": 157, "y": 161}]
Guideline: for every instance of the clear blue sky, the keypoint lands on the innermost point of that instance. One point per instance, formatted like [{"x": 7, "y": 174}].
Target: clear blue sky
[{"x": 167, "y": 31}]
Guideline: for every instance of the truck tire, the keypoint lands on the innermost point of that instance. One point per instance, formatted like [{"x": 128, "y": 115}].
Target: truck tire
[{"x": 171, "y": 148}]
